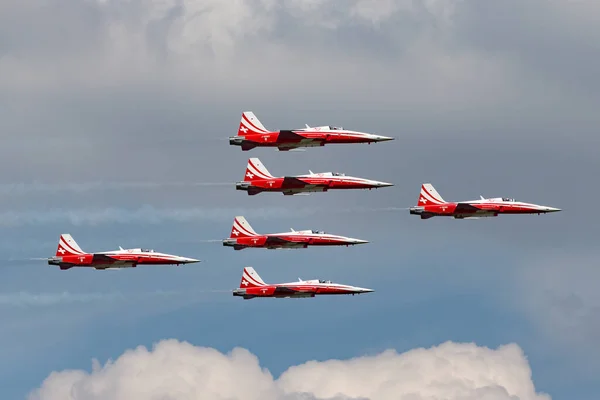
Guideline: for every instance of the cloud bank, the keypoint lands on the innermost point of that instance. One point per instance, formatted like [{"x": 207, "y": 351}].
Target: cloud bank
[{"x": 180, "y": 371}]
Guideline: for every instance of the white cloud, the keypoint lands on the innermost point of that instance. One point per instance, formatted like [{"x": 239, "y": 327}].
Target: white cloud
[{"x": 180, "y": 371}]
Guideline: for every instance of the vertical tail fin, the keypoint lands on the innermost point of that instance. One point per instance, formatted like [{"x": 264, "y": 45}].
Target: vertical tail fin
[
  {"x": 429, "y": 195},
  {"x": 67, "y": 246},
  {"x": 256, "y": 170},
  {"x": 250, "y": 278},
  {"x": 250, "y": 124},
  {"x": 241, "y": 228}
]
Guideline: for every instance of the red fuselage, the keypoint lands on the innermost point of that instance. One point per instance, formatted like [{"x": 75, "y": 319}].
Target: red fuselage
[
  {"x": 293, "y": 185},
  {"x": 478, "y": 209},
  {"x": 290, "y": 240},
  {"x": 118, "y": 260},
  {"x": 298, "y": 290},
  {"x": 288, "y": 139}
]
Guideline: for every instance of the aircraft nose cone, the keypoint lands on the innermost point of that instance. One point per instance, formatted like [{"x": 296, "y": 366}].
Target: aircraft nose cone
[
  {"x": 363, "y": 290},
  {"x": 384, "y": 184},
  {"x": 379, "y": 138},
  {"x": 552, "y": 209},
  {"x": 187, "y": 260},
  {"x": 358, "y": 241}
]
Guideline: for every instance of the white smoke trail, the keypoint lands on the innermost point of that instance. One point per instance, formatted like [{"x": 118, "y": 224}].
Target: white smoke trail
[
  {"x": 27, "y": 299},
  {"x": 49, "y": 188},
  {"x": 151, "y": 215}
]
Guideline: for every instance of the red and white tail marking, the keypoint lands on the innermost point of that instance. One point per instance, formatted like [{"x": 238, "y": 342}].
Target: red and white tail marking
[
  {"x": 67, "y": 246},
  {"x": 250, "y": 278},
  {"x": 429, "y": 196},
  {"x": 241, "y": 228},
  {"x": 250, "y": 124},
  {"x": 256, "y": 170}
]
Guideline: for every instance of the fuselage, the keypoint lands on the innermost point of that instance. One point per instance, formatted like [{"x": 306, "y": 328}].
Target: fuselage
[
  {"x": 308, "y": 137},
  {"x": 480, "y": 208},
  {"x": 118, "y": 259},
  {"x": 320, "y": 182},
  {"x": 309, "y": 288},
  {"x": 296, "y": 239}
]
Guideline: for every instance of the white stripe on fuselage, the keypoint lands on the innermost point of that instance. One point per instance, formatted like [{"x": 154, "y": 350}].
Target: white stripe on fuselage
[{"x": 502, "y": 203}]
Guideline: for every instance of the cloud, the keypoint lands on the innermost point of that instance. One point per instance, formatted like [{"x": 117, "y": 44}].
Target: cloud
[
  {"x": 179, "y": 371},
  {"x": 431, "y": 50}
]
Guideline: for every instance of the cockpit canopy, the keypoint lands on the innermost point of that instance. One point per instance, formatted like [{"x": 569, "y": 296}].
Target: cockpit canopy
[
  {"x": 338, "y": 174},
  {"x": 318, "y": 232},
  {"x": 147, "y": 250},
  {"x": 324, "y": 281},
  {"x": 335, "y": 128},
  {"x": 508, "y": 199}
]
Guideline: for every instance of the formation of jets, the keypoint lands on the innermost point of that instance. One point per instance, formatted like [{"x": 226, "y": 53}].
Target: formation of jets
[{"x": 257, "y": 179}]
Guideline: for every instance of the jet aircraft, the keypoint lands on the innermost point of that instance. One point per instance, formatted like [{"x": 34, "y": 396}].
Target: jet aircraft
[
  {"x": 431, "y": 204},
  {"x": 258, "y": 179},
  {"x": 253, "y": 286},
  {"x": 251, "y": 134},
  {"x": 69, "y": 255},
  {"x": 243, "y": 236}
]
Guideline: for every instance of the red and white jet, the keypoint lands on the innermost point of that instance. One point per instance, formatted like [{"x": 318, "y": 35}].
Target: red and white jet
[
  {"x": 431, "y": 204},
  {"x": 69, "y": 255},
  {"x": 252, "y": 133},
  {"x": 253, "y": 286},
  {"x": 258, "y": 179},
  {"x": 243, "y": 236}
]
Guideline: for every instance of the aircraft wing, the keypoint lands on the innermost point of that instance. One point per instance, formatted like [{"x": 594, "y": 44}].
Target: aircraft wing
[
  {"x": 290, "y": 290},
  {"x": 103, "y": 257},
  {"x": 292, "y": 182},
  {"x": 293, "y": 185},
  {"x": 278, "y": 241},
  {"x": 465, "y": 207},
  {"x": 295, "y": 140},
  {"x": 488, "y": 207},
  {"x": 109, "y": 260}
]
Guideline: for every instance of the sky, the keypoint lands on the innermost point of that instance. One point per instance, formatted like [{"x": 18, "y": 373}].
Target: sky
[{"x": 115, "y": 114}]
